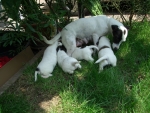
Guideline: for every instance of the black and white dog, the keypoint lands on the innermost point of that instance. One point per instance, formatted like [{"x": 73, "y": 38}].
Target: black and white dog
[
  {"x": 105, "y": 53},
  {"x": 94, "y": 27}
]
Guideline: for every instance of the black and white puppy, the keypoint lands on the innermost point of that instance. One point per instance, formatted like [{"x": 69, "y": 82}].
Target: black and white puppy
[
  {"x": 94, "y": 27},
  {"x": 84, "y": 53},
  {"x": 48, "y": 62},
  {"x": 67, "y": 63},
  {"x": 105, "y": 54}
]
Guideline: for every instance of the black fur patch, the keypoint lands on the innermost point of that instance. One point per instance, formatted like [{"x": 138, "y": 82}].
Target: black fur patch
[
  {"x": 37, "y": 69},
  {"x": 62, "y": 47},
  {"x": 98, "y": 40},
  {"x": 117, "y": 34}
]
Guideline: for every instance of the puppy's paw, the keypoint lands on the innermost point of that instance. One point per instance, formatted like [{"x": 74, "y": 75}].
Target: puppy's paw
[
  {"x": 70, "y": 72},
  {"x": 46, "y": 76}
]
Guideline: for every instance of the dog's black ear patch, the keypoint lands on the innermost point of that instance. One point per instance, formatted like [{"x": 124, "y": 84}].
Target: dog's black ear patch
[
  {"x": 117, "y": 34},
  {"x": 114, "y": 27},
  {"x": 62, "y": 47},
  {"x": 37, "y": 69}
]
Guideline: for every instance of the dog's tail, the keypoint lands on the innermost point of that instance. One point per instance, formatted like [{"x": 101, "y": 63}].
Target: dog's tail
[
  {"x": 92, "y": 46},
  {"x": 35, "y": 74},
  {"x": 52, "y": 40},
  {"x": 102, "y": 58}
]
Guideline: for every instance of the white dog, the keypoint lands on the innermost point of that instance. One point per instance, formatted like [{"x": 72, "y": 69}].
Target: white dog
[
  {"x": 84, "y": 53},
  {"x": 105, "y": 54},
  {"x": 49, "y": 61},
  {"x": 68, "y": 64},
  {"x": 94, "y": 27}
]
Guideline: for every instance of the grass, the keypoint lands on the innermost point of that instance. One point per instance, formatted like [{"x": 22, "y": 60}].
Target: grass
[{"x": 120, "y": 89}]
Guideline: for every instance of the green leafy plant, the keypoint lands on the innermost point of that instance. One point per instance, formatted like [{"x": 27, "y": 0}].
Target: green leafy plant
[{"x": 94, "y": 6}]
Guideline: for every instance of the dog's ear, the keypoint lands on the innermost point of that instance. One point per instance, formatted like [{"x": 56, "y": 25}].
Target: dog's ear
[{"x": 114, "y": 27}]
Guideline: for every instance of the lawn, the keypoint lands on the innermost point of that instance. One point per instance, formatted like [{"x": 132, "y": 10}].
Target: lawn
[{"x": 120, "y": 89}]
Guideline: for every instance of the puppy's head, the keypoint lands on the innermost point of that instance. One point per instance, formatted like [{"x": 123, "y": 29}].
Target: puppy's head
[{"x": 119, "y": 35}]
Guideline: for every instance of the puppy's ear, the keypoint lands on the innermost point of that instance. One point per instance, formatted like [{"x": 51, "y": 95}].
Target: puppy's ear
[{"x": 114, "y": 27}]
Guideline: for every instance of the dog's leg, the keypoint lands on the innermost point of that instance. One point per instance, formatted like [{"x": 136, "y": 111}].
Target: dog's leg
[
  {"x": 95, "y": 39},
  {"x": 70, "y": 44}
]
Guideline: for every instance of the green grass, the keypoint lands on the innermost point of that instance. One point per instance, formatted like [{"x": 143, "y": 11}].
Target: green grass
[{"x": 120, "y": 89}]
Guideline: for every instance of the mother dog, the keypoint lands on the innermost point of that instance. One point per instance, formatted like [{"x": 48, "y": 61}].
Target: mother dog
[{"x": 94, "y": 27}]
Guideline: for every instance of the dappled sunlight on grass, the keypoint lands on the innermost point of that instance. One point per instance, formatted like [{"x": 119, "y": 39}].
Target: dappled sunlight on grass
[{"x": 124, "y": 88}]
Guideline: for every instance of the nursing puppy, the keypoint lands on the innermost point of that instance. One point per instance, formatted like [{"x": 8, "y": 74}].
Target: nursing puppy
[
  {"x": 68, "y": 64},
  {"x": 94, "y": 27},
  {"x": 84, "y": 53},
  {"x": 49, "y": 61},
  {"x": 105, "y": 54}
]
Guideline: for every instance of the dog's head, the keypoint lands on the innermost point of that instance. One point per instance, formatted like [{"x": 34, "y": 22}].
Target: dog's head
[{"x": 119, "y": 35}]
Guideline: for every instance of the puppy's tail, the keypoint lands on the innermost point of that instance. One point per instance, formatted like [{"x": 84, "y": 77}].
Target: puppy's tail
[
  {"x": 35, "y": 74},
  {"x": 52, "y": 40},
  {"x": 102, "y": 58},
  {"x": 92, "y": 46}
]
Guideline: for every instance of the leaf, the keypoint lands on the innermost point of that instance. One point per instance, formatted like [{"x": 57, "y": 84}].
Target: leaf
[{"x": 30, "y": 27}]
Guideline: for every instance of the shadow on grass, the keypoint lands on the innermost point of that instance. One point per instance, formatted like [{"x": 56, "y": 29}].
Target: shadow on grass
[{"x": 87, "y": 90}]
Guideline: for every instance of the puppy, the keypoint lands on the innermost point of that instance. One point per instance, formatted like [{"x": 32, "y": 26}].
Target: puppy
[
  {"x": 84, "y": 53},
  {"x": 68, "y": 64},
  {"x": 94, "y": 27},
  {"x": 49, "y": 61},
  {"x": 105, "y": 54}
]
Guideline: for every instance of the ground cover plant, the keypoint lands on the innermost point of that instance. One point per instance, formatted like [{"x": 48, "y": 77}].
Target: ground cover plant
[{"x": 120, "y": 89}]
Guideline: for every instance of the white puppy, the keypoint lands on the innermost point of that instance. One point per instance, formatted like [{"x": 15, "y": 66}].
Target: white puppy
[
  {"x": 68, "y": 64},
  {"x": 49, "y": 61},
  {"x": 105, "y": 54},
  {"x": 84, "y": 53},
  {"x": 94, "y": 27}
]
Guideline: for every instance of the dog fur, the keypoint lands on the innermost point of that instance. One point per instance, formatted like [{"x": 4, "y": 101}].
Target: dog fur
[
  {"x": 105, "y": 54},
  {"x": 48, "y": 62},
  {"x": 68, "y": 64},
  {"x": 94, "y": 27},
  {"x": 84, "y": 53}
]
